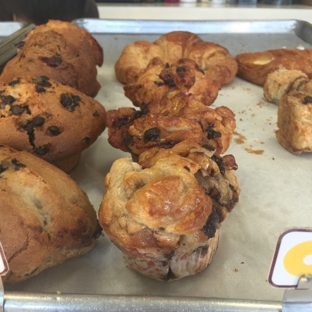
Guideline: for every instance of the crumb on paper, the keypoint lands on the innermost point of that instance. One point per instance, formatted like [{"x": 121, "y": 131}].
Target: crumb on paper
[
  {"x": 236, "y": 270},
  {"x": 240, "y": 139},
  {"x": 254, "y": 151},
  {"x": 242, "y": 262}
]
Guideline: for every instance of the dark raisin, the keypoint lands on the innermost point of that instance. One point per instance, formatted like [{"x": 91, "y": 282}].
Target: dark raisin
[
  {"x": 209, "y": 147},
  {"x": 40, "y": 89},
  {"x": 151, "y": 135},
  {"x": 212, "y": 134},
  {"x": 167, "y": 78},
  {"x": 53, "y": 130},
  {"x": 53, "y": 61},
  {"x": 70, "y": 101},
  {"x": 211, "y": 225},
  {"x": 307, "y": 100},
  {"x": 17, "y": 165},
  {"x": 19, "y": 110},
  {"x": 2, "y": 169},
  {"x": 96, "y": 114},
  {"x": 38, "y": 121},
  {"x": 41, "y": 150},
  {"x": 14, "y": 82},
  {"x": 180, "y": 69},
  {"x": 219, "y": 162},
  {"x": 167, "y": 65},
  {"x": 8, "y": 99},
  {"x": 121, "y": 121},
  {"x": 42, "y": 81}
]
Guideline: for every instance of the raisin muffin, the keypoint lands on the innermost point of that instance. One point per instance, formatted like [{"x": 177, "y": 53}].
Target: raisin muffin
[
  {"x": 62, "y": 51},
  {"x": 45, "y": 218},
  {"x": 51, "y": 120}
]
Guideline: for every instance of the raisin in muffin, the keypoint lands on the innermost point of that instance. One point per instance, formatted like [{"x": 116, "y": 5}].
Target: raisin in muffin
[
  {"x": 62, "y": 51},
  {"x": 49, "y": 119},
  {"x": 45, "y": 218}
]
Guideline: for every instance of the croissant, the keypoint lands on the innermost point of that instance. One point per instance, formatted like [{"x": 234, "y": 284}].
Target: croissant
[
  {"x": 254, "y": 67},
  {"x": 214, "y": 59}
]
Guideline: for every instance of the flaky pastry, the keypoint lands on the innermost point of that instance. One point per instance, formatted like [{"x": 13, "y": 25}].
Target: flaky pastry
[
  {"x": 169, "y": 122},
  {"x": 161, "y": 80},
  {"x": 255, "y": 66},
  {"x": 214, "y": 59}
]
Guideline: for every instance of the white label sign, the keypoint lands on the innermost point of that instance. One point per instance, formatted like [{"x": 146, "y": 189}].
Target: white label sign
[
  {"x": 4, "y": 267},
  {"x": 292, "y": 258}
]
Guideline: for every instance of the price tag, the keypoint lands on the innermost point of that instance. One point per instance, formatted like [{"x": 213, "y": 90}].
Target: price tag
[
  {"x": 292, "y": 258},
  {"x": 4, "y": 267}
]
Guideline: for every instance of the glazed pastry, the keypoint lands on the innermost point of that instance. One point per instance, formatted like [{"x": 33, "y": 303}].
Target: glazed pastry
[
  {"x": 45, "y": 218},
  {"x": 169, "y": 122},
  {"x": 161, "y": 80},
  {"x": 62, "y": 51},
  {"x": 215, "y": 60},
  {"x": 255, "y": 67},
  {"x": 51, "y": 120},
  {"x": 163, "y": 234}
]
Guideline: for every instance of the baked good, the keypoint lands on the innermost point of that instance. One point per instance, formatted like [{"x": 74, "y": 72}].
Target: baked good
[
  {"x": 168, "y": 122},
  {"x": 62, "y": 51},
  {"x": 294, "y": 117},
  {"x": 279, "y": 81},
  {"x": 163, "y": 234},
  {"x": 255, "y": 66},
  {"x": 161, "y": 80},
  {"x": 51, "y": 120},
  {"x": 45, "y": 218},
  {"x": 214, "y": 59}
]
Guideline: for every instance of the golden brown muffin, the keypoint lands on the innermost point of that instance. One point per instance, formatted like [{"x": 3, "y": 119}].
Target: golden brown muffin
[
  {"x": 278, "y": 82},
  {"x": 51, "y": 120},
  {"x": 255, "y": 67},
  {"x": 160, "y": 80},
  {"x": 163, "y": 234},
  {"x": 45, "y": 218},
  {"x": 169, "y": 122},
  {"x": 215, "y": 60},
  {"x": 62, "y": 51}
]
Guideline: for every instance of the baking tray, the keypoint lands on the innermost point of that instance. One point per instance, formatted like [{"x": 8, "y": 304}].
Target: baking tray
[{"x": 276, "y": 193}]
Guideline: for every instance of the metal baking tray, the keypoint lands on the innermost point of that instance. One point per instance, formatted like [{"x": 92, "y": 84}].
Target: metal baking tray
[{"x": 276, "y": 193}]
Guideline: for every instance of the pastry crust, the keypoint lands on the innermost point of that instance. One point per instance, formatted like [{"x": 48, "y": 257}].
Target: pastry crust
[
  {"x": 255, "y": 67},
  {"x": 169, "y": 122},
  {"x": 148, "y": 220},
  {"x": 45, "y": 218},
  {"x": 62, "y": 51},
  {"x": 295, "y": 117},
  {"x": 163, "y": 234},
  {"x": 279, "y": 81},
  {"x": 215, "y": 60},
  {"x": 160, "y": 81},
  {"x": 51, "y": 120}
]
